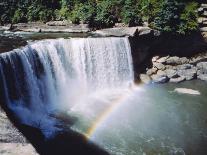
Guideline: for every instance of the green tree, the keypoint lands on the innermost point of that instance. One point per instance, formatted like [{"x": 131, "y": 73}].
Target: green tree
[{"x": 131, "y": 14}]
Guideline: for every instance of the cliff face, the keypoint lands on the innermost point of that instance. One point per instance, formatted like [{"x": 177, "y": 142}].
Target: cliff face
[{"x": 12, "y": 142}]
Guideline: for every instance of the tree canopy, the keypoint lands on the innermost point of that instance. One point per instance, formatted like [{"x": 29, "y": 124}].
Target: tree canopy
[{"x": 169, "y": 16}]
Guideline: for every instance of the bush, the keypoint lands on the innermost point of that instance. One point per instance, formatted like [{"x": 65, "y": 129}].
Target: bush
[
  {"x": 106, "y": 14},
  {"x": 87, "y": 13},
  {"x": 189, "y": 19},
  {"x": 19, "y": 16},
  {"x": 131, "y": 14},
  {"x": 168, "y": 18}
]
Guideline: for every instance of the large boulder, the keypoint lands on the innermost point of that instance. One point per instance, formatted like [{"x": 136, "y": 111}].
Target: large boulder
[
  {"x": 173, "y": 61},
  {"x": 177, "y": 80},
  {"x": 124, "y": 31},
  {"x": 159, "y": 66},
  {"x": 152, "y": 71},
  {"x": 203, "y": 77},
  {"x": 171, "y": 73},
  {"x": 189, "y": 74},
  {"x": 160, "y": 77},
  {"x": 145, "y": 78}
]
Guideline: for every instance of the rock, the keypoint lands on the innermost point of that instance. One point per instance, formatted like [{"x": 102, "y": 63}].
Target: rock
[
  {"x": 184, "y": 60},
  {"x": 205, "y": 13},
  {"x": 171, "y": 73},
  {"x": 203, "y": 29},
  {"x": 154, "y": 59},
  {"x": 189, "y": 74},
  {"x": 12, "y": 142},
  {"x": 117, "y": 32},
  {"x": 16, "y": 149},
  {"x": 202, "y": 65},
  {"x": 124, "y": 31},
  {"x": 152, "y": 71},
  {"x": 58, "y": 23},
  {"x": 177, "y": 80},
  {"x": 163, "y": 59},
  {"x": 200, "y": 10},
  {"x": 120, "y": 25},
  {"x": 203, "y": 77},
  {"x": 184, "y": 66},
  {"x": 144, "y": 31},
  {"x": 187, "y": 91},
  {"x": 159, "y": 79},
  {"x": 145, "y": 78},
  {"x": 173, "y": 61},
  {"x": 159, "y": 66},
  {"x": 161, "y": 73},
  {"x": 204, "y": 5}
]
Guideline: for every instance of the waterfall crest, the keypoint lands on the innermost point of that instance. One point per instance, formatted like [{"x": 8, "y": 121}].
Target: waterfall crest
[{"x": 38, "y": 78}]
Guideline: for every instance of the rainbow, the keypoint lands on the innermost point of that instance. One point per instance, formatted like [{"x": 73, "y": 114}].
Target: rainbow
[{"x": 105, "y": 115}]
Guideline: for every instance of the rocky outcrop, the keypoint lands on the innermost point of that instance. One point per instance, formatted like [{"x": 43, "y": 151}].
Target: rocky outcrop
[
  {"x": 124, "y": 31},
  {"x": 51, "y": 27},
  {"x": 12, "y": 142},
  {"x": 202, "y": 20},
  {"x": 176, "y": 69}
]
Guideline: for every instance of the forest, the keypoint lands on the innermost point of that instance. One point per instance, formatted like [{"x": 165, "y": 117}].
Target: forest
[{"x": 169, "y": 16}]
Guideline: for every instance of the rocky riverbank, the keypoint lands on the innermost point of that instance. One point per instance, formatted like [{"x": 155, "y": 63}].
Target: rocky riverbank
[
  {"x": 176, "y": 69},
  {"x": 12, "y": 142}
]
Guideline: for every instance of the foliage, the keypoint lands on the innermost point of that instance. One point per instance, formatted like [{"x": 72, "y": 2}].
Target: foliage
[
  {"x": 106, "y": 14},
  {"x": 131, "y": 14},
  {"x": 189, "y": 19},
  {"x": 169, "y": 16}
]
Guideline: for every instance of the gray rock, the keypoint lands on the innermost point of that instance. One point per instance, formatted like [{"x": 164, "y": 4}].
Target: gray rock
[
  {"x": 184, "y": 60},
  {"x": 163, "y": 59},
  {"x": 152, "y": 71},
  {"x": 173, "y": 61},
  {"x": 189, "y": 74},
  {"x": 203, "y": 29},
  {"x": 159, "y": 79},
  {"x": 177, "y": 80},
  {"x": 161, "y": 73},
  {"x": 58, "y": 23},
  {"x": 171, "y": 73},
  {"x": 145, "y": 78},
  {"x": 159, "y": 66},
  {"x": 184, "y": 66},
  {"x": 204, "y": 5},
  {"x": 17, "y": 149},
  {"x": 202, "y": 65},
  {"x": 203, "y": 77},
  {"x": 154, "y": 59}
]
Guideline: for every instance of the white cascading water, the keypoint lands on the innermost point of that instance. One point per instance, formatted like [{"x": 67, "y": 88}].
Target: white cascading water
[{"x": 60, "y": 74}]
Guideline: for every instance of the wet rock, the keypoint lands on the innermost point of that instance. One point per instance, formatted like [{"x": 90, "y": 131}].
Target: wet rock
[
  {"x": 203, "y": 77},
  {"x": 177, "y": 80},
  {"x": 152, "y": 71},
  {"x": 145, "y": 78},
  {"x": 159, "y": 66},
  {"x": 189, "y": 74},
  {"x": 159, "y": 79}
]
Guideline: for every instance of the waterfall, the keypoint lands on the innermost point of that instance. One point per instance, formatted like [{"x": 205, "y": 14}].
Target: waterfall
[{"x": 46, "y": 75}]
